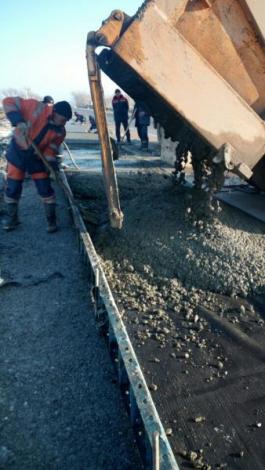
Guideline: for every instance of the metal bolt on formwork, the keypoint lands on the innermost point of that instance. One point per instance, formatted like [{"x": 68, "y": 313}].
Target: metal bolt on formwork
[
  {"x": 96, "y": 277},
  {"x": 156, "y": 450}
]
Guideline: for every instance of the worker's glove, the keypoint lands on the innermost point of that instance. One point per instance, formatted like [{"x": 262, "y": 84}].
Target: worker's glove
[{"x": 23, "y": 128}]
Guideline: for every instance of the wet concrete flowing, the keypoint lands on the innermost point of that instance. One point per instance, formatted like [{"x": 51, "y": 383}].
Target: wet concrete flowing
[{"x": 167, "y": 270}]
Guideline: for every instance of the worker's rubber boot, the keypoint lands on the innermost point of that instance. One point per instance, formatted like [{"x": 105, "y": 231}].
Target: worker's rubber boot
[
  {"x": 11, "y": 221},
  {"x": 51, "y": 217}
]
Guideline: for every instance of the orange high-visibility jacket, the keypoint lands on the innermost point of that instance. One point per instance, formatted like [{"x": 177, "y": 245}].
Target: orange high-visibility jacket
[{"x": 36, "y": 114}]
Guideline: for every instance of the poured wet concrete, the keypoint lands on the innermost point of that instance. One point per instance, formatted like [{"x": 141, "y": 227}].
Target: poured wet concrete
[{"x": 165, "y": 268}]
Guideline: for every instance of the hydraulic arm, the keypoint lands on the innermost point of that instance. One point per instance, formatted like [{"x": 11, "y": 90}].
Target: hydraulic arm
[{"x": 109, "y": 174}]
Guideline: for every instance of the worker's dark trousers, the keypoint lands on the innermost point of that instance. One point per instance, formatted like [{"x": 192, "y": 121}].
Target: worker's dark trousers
[
  {"x": 143, "y": 134},
  {"x": 15, "y": 178},
  {"x": 118, "y": 123},
  {"x": 21, "y": 162}
]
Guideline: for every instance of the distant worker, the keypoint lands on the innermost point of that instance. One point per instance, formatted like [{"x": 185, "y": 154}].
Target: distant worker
[
  {"x": 93, "y": 126},
  {"x": 79, "y": 118},
  {"x": 48, "y": 100},
  {"x": 121, "y": 108},
  {"x": 44, "y": 125},
  {"x": 142, "y": 121}
]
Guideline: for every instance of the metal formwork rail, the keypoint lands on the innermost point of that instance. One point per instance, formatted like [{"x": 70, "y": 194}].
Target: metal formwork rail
[{"x": 150, "y": 434}]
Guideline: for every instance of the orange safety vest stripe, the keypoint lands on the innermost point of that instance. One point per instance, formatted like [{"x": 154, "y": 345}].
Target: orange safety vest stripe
[
  {"x": 36, "y": 114},
  {"x": 41, "y": 175},
  {"x": 14, "y": 173}
]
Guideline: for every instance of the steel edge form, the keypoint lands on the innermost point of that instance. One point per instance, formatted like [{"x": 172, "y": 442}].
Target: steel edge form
[{"x": 147, "y": 409}]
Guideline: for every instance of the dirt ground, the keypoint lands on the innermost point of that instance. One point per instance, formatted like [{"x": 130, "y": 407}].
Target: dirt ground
[{"x": 165, "y": 268}]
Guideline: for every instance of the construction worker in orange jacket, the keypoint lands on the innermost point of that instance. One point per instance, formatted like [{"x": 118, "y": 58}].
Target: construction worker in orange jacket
[{"x": 44, "y": 125}]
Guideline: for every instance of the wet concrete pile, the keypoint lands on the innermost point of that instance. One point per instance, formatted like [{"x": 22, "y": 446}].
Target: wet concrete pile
[
  {"x": 162, "y": 240},
  {"x": 167, "y": 270}
]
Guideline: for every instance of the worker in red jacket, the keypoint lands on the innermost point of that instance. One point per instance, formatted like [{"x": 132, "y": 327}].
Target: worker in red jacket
[{"x": 44, "y": 125}]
